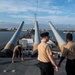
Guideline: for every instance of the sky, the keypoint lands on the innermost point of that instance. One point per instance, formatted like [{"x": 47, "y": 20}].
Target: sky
[{"x": 59, "y": 12}]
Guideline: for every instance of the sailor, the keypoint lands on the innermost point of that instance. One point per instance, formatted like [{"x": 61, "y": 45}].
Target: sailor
[
  {"x": 45, "y": 57},
  {"x": 17, "y": 51},
  {"x": 69, "y": 53}
]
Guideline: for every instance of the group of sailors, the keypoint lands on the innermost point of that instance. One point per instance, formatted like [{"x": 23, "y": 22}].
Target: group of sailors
[{"x": 46, "y": 62}]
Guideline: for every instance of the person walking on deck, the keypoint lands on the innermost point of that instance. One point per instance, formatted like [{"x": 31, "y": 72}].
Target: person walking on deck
[
  {"x": 69, "y": 53},
  {"x": 17, "y": 51},
  {"x": 46, "y": 61}
]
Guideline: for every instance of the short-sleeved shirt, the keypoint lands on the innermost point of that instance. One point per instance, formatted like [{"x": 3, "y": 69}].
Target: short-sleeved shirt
[
  {"x": 16, "y": 48},
  {"x": 44, "y": 51},
  {"x": 69, "y": 50}
]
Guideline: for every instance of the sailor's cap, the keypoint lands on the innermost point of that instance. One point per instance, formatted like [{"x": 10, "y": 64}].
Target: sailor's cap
[{"x": 44, "y": 34}]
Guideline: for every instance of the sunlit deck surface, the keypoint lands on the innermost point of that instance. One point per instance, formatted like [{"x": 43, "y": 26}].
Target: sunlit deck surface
[{"x": 27, "y": 67}]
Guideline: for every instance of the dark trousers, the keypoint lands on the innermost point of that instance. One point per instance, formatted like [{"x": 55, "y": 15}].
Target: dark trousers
[
  {"x": 18, "y": 53},
  {"x": 70, "y": 67},
  {"x": 46, "y": 68}
]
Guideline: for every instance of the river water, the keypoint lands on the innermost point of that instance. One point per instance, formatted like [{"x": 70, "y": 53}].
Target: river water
[{"x": 5, "y": 36}]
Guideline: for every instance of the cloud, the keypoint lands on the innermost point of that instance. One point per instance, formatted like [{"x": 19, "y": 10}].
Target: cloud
[
  {"x": 69, "y": 1},
  {"x": 55, "y": 19},
  {"x": 50, "y": 11},
  {"x": 17, "y": 6},
  {"x": 12, "y": 6},
  {"x": 62, "y": 19},
  {"x": 47, "y": 10},
  {"x": 25, "y": 17},
  {"x": 6, "y": 24}
]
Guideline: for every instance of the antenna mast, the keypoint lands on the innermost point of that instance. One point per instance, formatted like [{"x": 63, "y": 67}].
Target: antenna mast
[
  {"x": 35, "y": 16},
  {"x": 36, "y": 11}
]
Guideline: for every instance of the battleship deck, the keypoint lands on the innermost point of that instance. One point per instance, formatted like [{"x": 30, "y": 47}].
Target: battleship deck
[{"x": 27, "y": 67}]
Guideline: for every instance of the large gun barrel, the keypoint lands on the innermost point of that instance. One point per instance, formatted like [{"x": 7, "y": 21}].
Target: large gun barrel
[
  {"x": 37, "y": 36},
  {"x": 59, "y": 39},
  {"x": 13, "y": 41}
]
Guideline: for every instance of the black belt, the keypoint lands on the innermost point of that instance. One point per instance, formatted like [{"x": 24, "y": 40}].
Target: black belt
[
  {"x": 71, "y": 60},
  {"x": 44, "y": 63}
]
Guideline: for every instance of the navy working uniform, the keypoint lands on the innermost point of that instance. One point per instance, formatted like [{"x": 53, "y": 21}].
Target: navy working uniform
[
  {"x": 17, "y": 51},
  {"x": 44, "y": 52},
  {"x": 69, "y": 53}
]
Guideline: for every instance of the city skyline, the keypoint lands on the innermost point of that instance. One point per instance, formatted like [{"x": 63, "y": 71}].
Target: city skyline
[{"x": 57, "y": 11}]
